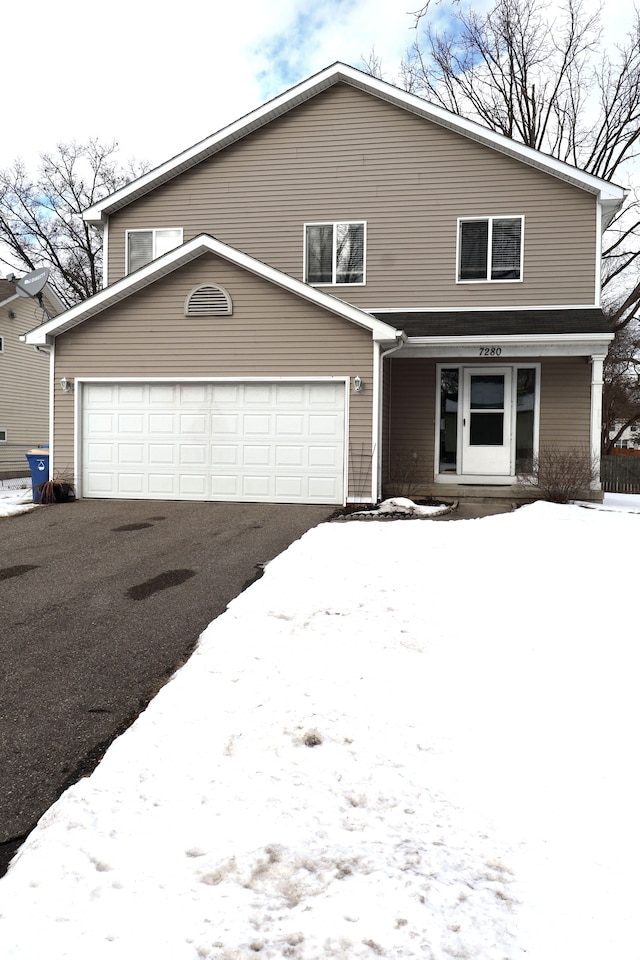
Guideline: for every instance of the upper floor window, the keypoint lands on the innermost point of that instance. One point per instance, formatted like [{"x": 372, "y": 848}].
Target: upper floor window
[
  {"x": 3, "y": 436},
  {"x": 334, "y": 252},
  {"x": 1, "y": 345},
  {"x": 490, "y": 248},
  {"x": 143, "y": 246}
]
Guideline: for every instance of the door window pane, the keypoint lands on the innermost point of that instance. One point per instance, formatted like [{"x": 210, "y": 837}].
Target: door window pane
[
  {"x": 486, "y": 429},
  {"x": 487, "y": 392}
]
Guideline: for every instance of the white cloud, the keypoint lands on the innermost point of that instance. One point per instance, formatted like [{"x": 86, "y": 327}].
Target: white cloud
[{"x": 160, "y": 81}]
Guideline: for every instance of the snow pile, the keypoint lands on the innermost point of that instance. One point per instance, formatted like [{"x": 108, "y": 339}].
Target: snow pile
[
  {"x": 406, "y": 740},
  {"x": 14, "y": 502}
]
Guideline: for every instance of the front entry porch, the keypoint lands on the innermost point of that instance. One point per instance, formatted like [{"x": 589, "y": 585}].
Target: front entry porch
[{"x": 461, "y": 429}]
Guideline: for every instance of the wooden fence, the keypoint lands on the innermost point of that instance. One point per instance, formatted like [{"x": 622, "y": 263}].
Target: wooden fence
[{"x": 620, "y": 474}]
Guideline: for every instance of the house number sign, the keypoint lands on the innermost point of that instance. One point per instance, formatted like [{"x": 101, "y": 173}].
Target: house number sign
[{"x": 490, "y": 351}]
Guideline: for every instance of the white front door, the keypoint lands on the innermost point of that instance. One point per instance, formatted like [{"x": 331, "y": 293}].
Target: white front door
[{"x": 486, "y": 421}]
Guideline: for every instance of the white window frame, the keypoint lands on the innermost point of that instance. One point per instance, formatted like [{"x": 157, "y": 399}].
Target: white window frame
[
  {"x": 3, "y": 436},
  {"x": 154, "y": 231},
  {"x": 489, "y": 221},
  {"x": 335, "y": 223},
  {"x": 1, "y": 344}
]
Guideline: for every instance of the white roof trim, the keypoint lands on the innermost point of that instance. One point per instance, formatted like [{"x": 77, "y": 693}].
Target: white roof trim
[
  {"x": 46, "y": 332},
  {"x": 609, "y": 195}
]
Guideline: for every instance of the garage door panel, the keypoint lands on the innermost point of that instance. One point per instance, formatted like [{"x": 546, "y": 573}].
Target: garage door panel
[
  {"x": 225, "y": 487},
  {"x": 99, "y": 484},
  {"x": 130, "y": 453},
  {"x": 225, "y": 393},
  {"x": 130, "y": 423},
  {"x": 102, "y": 453},
  {"x": 131, "y": 483},
  {"x": 101, "y": 423},
  {"x": 256, "y": 424},
  {"x": 289, "y": 455},
  {"x": 130, "y": 394},
  {"x": 257, "y": 393},
  {"x": 290, "y": 425},
  {"x": 162, "y": 453},
  {"x": 221, "y": 424},
  {"x": 323, "y": 489},
  {"x": 322, "y": 457},
  {"x": 162, "y": 485},
  {"x": 162, "y": 393},
  {"x": 228, "y": 454},
  {"x": 193, "y": 453},
  {"x": 292, "y": 394},
  {"x": 194, "y": 393},
  {"x": 193, "y": 485},
  {"x": 265, "y": 441},
  {"x": 257, "y": 456},
  {"x": 162, "y": 423}
]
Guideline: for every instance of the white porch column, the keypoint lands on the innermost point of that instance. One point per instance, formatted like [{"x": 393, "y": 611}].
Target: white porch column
[{"x": 597, "y": 364}]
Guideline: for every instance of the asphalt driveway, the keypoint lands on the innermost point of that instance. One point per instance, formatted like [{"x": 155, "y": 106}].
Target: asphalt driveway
[{"x": 101, "y": 601}]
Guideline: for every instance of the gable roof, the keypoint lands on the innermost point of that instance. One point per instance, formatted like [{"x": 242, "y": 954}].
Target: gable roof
[
  {"x": 609, "y": 195},
  {"x": 174, "y": 259}
]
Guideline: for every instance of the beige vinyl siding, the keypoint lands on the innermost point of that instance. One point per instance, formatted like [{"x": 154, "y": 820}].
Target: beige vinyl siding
[
  {"x": 565, "y": 402},
  {"x": 24, "y": 385},
  {"x": 565, "y": 405},
  {"x": 411, "y": 418},
  {"x": 271, "y": 333},
  {"x": 346, "y": 155}
]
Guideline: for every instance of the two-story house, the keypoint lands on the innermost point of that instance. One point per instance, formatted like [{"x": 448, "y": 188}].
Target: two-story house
[{"x": 345, "y": 279}]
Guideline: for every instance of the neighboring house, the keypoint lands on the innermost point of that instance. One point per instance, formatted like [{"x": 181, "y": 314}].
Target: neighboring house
[
  {"x": 347, "y": 281},
  {"x": 629, "y": 439},
  {"x": 24, "y": 379}
]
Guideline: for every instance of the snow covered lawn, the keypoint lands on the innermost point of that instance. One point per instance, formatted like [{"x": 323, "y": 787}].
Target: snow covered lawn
[{"x": 407, "y": 740}]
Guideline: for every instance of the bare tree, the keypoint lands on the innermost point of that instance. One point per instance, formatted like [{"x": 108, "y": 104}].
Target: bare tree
[
  {"x": 41, "y": 216},
  {"x": 621, "y": 392}
]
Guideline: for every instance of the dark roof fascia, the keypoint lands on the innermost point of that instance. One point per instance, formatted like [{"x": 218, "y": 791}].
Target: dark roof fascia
[{"x": 498, "y": 323}]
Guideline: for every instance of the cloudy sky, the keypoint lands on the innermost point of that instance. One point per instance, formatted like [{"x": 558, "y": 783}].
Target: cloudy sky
[{"x": 159, "y": 78}]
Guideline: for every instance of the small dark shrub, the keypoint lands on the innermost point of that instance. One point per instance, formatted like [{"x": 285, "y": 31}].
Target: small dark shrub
[
  {"x": 403, "y": 475},
  {"x": 560, "y": 474}
]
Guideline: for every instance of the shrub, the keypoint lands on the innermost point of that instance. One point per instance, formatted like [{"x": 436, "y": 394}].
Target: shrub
[{"x": 560, "y": 474}]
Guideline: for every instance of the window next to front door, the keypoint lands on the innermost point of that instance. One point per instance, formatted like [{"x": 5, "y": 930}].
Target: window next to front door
[
  {"x": 490, "y": 249},
  {"x": 488, "y": 420}
]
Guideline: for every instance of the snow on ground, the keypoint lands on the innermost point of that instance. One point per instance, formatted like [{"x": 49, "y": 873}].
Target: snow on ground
[
  {"x": 407, "y": 740},
  {"x": 13, "y": 502}
]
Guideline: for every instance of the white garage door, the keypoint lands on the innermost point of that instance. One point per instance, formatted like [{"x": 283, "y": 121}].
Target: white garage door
[{"x": 272, "y": 442}]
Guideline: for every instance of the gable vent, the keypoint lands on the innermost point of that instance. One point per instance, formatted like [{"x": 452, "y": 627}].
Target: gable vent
[{"x": 209, "y": 300}]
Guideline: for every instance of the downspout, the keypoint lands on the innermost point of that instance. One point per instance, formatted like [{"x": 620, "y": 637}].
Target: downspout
[{"x": 382, "y": 355}]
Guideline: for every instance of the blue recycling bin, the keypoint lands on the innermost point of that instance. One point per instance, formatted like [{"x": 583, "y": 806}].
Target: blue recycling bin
[{"x": 38, "y": 461}]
